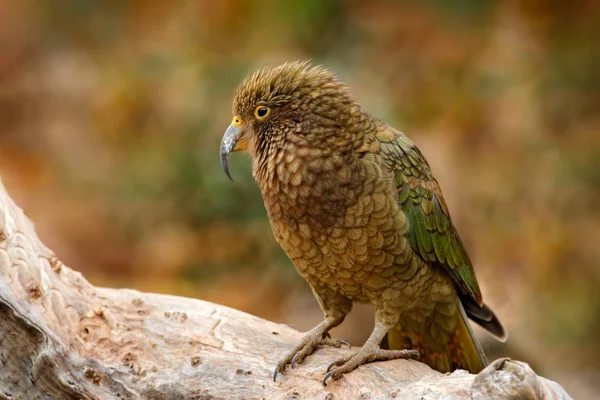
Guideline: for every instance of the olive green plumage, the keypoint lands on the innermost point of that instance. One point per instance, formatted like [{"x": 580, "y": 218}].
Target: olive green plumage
[
  {"x": 354, "y": 204},
  {"x": 432, "y": 234}
]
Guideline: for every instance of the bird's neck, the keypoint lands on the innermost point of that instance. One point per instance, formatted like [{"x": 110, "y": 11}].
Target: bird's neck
[
  {"x": 292, "y": 169},
  {"x": 314, "y": 172},
  {"x": 311, "y": 185}
]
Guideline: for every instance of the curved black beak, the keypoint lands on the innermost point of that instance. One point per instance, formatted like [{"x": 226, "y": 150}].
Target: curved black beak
[{"x": 230, "y": 139}]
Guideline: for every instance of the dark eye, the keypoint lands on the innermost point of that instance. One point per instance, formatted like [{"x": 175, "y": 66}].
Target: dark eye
[{"x": 261, "y": 112}]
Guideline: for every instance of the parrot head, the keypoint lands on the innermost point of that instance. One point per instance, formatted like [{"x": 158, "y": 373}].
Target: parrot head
[{"x": 294, "y": 103}]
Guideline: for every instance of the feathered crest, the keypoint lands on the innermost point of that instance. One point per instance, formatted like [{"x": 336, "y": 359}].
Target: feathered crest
[{"x": 283, "y": 83}]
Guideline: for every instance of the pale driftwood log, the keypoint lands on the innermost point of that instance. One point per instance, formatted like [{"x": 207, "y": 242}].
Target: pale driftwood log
[{"x": 62, "y": 338}]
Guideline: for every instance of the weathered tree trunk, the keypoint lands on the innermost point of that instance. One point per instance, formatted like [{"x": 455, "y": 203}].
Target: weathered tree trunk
[{"x": 62, "y": 338}]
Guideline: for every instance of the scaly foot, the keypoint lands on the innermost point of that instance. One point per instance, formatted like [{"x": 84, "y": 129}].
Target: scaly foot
[
  {"x": 307, "y": 346},
  {"x": 365, "y": 355}
]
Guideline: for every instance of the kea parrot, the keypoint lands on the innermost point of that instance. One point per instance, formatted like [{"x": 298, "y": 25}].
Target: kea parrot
[{"x": 354, "y": 204}]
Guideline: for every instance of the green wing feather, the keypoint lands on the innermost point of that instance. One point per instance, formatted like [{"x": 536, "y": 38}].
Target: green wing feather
[{"x": 432, "y": 234}]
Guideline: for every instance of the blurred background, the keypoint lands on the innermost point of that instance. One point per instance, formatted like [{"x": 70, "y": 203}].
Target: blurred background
[{"x": 111, "y": 114}]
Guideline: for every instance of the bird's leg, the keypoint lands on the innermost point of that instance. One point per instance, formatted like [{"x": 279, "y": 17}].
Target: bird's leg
[
  {"x": 335, "y": 307},
  {"x": 368, "y": 353}
]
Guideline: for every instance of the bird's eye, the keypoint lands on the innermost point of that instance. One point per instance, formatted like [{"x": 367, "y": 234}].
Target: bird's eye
[{"x": 261, "y": 112}]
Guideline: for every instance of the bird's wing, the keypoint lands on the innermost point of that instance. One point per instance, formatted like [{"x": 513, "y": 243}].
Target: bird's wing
[{"x": 432, "y": 234}]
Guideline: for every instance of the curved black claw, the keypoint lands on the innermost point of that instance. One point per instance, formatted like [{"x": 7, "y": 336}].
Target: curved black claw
[
  {"x": 275, "y": 373},
  {"x": 337, "y": 343},
  {"x": 327, "y": 376},
  {"x": 333, "y": 364},
  {"x": 294, "y": 360}
]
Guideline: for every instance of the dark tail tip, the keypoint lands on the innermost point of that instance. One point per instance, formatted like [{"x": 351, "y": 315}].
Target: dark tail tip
[{"x": 484, "y": 317}]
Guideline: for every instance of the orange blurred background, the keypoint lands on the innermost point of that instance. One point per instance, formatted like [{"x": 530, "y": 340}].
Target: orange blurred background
[{"x": 111, "y": 113}]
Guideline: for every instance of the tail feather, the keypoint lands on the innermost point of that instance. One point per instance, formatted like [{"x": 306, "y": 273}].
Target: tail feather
[
  {"x": 471, "y": 346},
  {"x": 484, "y": 317},
  {"x": 457, "y": 348}
]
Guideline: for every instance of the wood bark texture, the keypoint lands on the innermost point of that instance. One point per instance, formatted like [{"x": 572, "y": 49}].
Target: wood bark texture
[{"x": 63, "y": 338}]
